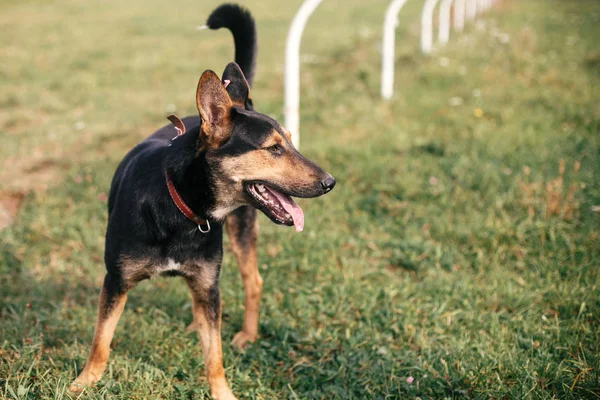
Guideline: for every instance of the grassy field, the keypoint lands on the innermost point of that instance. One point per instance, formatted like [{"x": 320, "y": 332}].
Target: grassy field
[{"x": 458, "y": 256}]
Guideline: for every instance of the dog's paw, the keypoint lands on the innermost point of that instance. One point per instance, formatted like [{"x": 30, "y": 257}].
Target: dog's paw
[
  {"x": 242, "y": 339},
  {"x": 81, "y": 383},
  {"x": 75, "y": 388},
  {"x": 84, "y": 380}
]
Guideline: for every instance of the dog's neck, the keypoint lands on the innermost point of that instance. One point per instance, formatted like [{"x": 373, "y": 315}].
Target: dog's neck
[{"x": 191, "y": 174}]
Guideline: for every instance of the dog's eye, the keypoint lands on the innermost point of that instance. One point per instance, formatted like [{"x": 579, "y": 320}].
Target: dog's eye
[{"x": 275, "y": 149}]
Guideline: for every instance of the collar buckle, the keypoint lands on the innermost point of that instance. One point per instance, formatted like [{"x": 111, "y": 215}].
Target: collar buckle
[{"x": 207, "y": 227}]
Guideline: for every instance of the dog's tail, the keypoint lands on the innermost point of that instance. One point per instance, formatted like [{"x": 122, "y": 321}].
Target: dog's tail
[{"x": 241, "y": 24}]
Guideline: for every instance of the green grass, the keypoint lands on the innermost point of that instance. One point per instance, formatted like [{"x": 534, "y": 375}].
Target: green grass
[{"x": 434, "y": 257}]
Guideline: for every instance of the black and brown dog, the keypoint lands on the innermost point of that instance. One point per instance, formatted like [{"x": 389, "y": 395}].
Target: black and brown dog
[{"x": 172, "y": 194}]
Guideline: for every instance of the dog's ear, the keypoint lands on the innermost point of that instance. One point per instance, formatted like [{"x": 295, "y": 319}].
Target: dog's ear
[
  {"x": 238, "y": 87},
  {"x": 214, "y": 106}
]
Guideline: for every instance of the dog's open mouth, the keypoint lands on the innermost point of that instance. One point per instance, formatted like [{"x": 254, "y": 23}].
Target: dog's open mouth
[{"x": 278, "y": 206}]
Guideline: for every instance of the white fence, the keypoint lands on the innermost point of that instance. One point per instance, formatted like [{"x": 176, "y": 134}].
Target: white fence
[{"x": 464, "y": 10}]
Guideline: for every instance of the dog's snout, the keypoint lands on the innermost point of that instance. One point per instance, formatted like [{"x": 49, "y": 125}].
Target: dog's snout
[{"x": 328, "y": 183}]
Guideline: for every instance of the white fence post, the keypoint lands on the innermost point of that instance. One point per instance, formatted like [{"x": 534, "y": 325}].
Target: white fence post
[
  {"x": 444, "y": 23},
  {"x": 480, "y": 6},
  {"x": 388, "y": 47},
  {"x": 471, "y": 10},
  {"x": 459, "y": 15},
  {"x": 292, "y": 69},
  {"x": 427, "y": 26}
]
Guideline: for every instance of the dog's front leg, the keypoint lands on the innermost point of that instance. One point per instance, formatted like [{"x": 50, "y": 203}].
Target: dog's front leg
[
  {"x": 242, "y": 229},
  {"x": 206, "y": 307}
]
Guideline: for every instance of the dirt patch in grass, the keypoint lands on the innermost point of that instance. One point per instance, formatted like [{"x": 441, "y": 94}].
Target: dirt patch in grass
[{"x": 10, "y": 203}]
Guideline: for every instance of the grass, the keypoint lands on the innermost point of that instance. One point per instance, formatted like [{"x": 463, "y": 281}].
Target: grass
[{"x": 461, "y": 246}]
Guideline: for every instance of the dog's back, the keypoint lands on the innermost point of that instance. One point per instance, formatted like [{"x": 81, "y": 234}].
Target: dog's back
[{"x": 145, "y": 157}]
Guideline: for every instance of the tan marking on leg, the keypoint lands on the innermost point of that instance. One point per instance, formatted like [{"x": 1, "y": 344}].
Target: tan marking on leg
[
  {"x": 247, "y": 263},
  {"x": 207, "y": 320},
  {"x": 135, "y": 269},
  {"x": 110, "y": 309},
  {"x": 205, "y": 273}
]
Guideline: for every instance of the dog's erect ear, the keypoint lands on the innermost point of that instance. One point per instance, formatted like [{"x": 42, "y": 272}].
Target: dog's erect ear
[
  {"x": 214, "y": 106},
  {"x": 238, "y": 88}
]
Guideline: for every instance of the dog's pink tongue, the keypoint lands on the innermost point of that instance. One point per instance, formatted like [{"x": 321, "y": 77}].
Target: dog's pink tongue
[{"x": 292, "y": 208}]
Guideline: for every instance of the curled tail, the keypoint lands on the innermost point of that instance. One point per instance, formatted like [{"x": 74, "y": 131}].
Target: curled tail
[{"x": 241, "y": 24}]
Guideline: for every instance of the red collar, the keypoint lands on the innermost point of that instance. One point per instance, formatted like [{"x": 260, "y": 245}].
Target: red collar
[
  {"x": 185, "y": 210},
  {"x": 203, "y": 225}
]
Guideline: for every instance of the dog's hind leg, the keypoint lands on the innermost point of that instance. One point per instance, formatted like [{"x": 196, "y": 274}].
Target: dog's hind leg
[
  {"x": 110, "y": 307},
  {"x": 206, "y": 307},
  {"x": 242, "y": 229}
]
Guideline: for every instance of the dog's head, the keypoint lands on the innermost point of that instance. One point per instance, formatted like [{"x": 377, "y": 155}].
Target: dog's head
[{"x": 251, "y": 156}]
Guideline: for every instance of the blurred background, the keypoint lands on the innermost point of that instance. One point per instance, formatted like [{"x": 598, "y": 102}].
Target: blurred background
[{"x": 457, "y": 257}]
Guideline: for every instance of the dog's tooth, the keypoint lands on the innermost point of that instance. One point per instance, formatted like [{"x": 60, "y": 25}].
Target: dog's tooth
[
  {"x": 261, "y": 188},
  {"x": 288, "y": 215}
]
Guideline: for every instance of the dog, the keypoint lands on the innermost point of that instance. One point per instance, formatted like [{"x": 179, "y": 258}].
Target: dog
[{"x": 172, "y": 194}]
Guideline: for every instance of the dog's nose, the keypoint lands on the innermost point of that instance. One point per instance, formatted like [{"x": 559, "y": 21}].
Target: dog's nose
[{"x": 328, "y": 183}]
